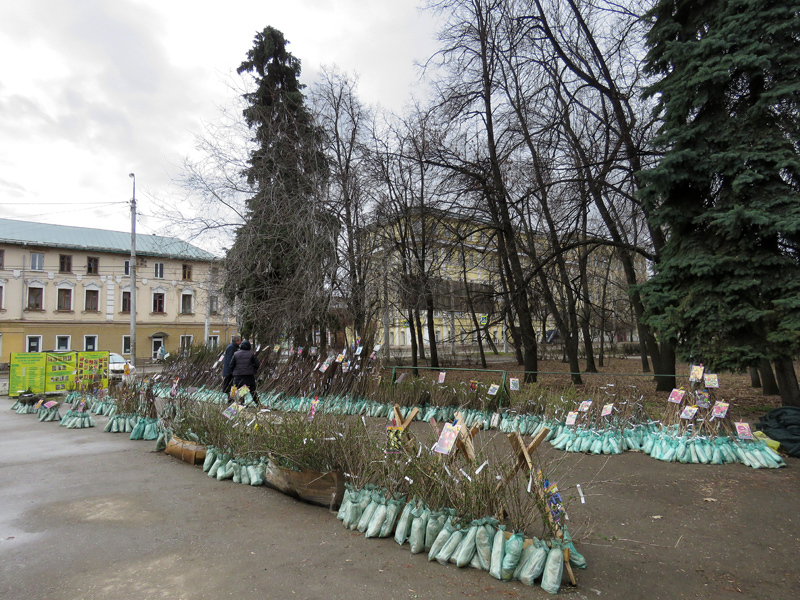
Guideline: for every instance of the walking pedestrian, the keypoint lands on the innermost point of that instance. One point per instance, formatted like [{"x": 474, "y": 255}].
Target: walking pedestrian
[
  {"x": 244, "y": 365},
  {"x": 227, "y": 372}
]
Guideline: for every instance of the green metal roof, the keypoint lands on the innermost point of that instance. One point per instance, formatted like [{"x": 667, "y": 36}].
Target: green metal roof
[{"x": 85, "y": 238}]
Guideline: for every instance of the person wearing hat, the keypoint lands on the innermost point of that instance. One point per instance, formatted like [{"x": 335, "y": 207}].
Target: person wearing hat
[
  {"x": 244, "y": 365},
  {"x": 227, "y": 374}
]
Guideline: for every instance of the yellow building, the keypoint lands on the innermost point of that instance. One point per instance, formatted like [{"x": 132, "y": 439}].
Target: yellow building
[{"x": 68, "y": 288}]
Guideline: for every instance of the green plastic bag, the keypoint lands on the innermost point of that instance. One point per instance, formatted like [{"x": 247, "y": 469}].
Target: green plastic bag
[
  {"x": 511, "y": 557},
  {"x": 498, "y": 552},
  {"x": 376, "y": 522},
  {"x": 533, "y": 567},
  {"x": 466, "y": 550},
  {"x": 393, "y": 508},
  {"x": 483, "y": 545},
  {"x": 443, "y": 556},
  {"x": 417, "y": 536},
  {"x": 553, "y": 569},
  {"x": 403, "y": 525},
  {"x": 441, "y": 540},
  {"x": 435, "y": 524}
]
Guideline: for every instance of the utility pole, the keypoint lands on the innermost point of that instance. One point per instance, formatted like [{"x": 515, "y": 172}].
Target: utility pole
[{"x": 132, "y": 271}]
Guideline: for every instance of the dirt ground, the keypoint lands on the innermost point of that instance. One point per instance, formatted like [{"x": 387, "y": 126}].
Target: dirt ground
[{"x": 94, "y": 516}]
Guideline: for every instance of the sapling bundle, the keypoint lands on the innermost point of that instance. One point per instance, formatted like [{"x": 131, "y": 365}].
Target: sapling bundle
[{"x": 50, "y": 413}]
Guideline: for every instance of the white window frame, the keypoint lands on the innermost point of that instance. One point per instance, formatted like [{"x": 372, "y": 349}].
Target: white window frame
[
  {"x": 34, "y": 284},
  {"x": 85, "y": 343},
  {"x": 69, "y": 343},
  {"x": 122, "y": 301},
  {"x": 213, "y": 305},
  {"x": 158, "y": 270},
  {"x": 213, "y": 341},
  {"x": 152, "y": 302},
  {"x": 124, "y": 338},
  {"x": 154, "y": 348},
  {"x": 40, "y": 266},
  {"x": 190, "y": 295},
  {"x": 3, "y": 293},
  {"x": 183, "y": 346},
  {"x": 126, "y": 267},
  {"x": 29, "y": 338},
  {"x": 71, "y": 298},
  {"x": 86, "y": 293}
]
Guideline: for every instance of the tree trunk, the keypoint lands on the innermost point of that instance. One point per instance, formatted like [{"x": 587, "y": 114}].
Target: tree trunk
[
  {"x": 755, "y": 380},
  {"x": 432, "y": 345},
  {"x": 787, "y": 381},
  {"x": 665, "y": 368},
  {"x": 420, "y": 336},
  {"x": 412, "y": 330},
  {"x": 588, "y": 348},
  {"x": 769, "y": 387}
]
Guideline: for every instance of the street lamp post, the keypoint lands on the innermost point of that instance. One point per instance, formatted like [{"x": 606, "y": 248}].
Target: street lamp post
[{"x": 132, "y": 271}]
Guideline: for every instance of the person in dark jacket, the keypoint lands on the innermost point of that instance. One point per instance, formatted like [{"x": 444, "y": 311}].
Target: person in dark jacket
[
  {"x": 244, "y": 365},
  {"x": 227, "y": 373}
]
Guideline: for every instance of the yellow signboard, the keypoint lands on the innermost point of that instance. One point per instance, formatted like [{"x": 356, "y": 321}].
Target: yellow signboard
[
  {"x": 92, "y": 366},
  {"x": 42, "y": 372},
  {"x": 26, "y": 373},
  {"x": 60, "y": 371}
]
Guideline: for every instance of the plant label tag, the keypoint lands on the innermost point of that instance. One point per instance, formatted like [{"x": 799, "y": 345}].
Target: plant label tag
[
  {"x": 607, "y": 408},
  {"x": 513, "y": 384},
  {"x": 711, "y": 380},
  {"x": 585, "y": 406},
  {"x": 493, "y": 389},
  {"x": 572, "y": 417},
  {"x": 689, "y": 412},
  {"x": 676, "y": 396},
  {"x": 720, "y": 410},
  {"x": 743, "y": 431},
  {"x": 696, "y": 372},
  {"x": 442, "y": 376}
]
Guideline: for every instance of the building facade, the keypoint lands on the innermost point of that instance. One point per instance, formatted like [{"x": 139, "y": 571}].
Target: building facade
[{"x": 69, "y": 288}]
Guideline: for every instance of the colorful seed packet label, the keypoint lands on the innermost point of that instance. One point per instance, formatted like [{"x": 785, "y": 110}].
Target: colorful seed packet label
[
  {"x": 711, "y": 380},
  {"x": 701, "y": 398},
  {"x": 276, "y": 347},
  {"x": 312, "y": 351},
  {"x": 676, "y": 396},
  {"x": 300, "y": 351},
  {"x": 607, "y": 408},
  {"x": 359, "y": 350},
  {"x": 442, "y": 375},
  {"x": 340, "y": 358},
  {"x": 493, "y": 389},
  {"x": 585, "y": 406},
  {"x": 689, "y": 412},
  {"x": 346, "y": 366},
  {"x": 394, "y": 439},
  {"x": 447, "y": 439},
  {"x": 696, "y": 372},
  {"x": 313, "y": 411},
  {"x": 572, "y": 417},
  {"x": 243, "y": 391},
  {"x": 50, "y": 404},
  {"x": 513, "y": 384},
  {"x": 743, "y": 431},
  {"x": 473, "y": 384},
  {"x": 233, "y": 410},
  {"x": 720, "y": 410}
]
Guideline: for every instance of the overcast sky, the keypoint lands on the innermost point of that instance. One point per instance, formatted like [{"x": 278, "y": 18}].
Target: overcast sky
[{"x": 91, "y": 90}]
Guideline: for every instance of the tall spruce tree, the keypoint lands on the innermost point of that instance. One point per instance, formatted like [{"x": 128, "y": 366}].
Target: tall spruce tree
[
  {"x": 727, "y": 289},
  {"x": 282, "y": 254}
]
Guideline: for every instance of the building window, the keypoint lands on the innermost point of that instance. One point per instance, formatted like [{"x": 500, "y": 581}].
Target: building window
[
  {"x": 214, "y": 273},
  {"x": 33, "y": 343},
  {"x": 213, "y": 341},
  {"x": 92, "y": 300},
  {"x": 92, "y": 265},
  {"x": 158, "y": 270},
  {"x": 126, "y": 302},
  {"x": 62, "y": 342},
  {"x": 187, "y": 272},
  {"x": 158, "y": 303},
  {"x": 37, "y": 261},
  {"x": 126, "y": 344},
  {"x": 65, "y": 263},
  {"x": 126, "y": 267},
  {"x": 213, "y": 305},
  {"x": 35, "y": 299},
  {"x": 1, "y": 297},
  {"x": 2, "y": 259},
  {"x": 90, "y": 343},
  {"x": 186, "y": 304},
  {"x": 186, "y": 343},
  {"x": 64, "y": 299}
]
